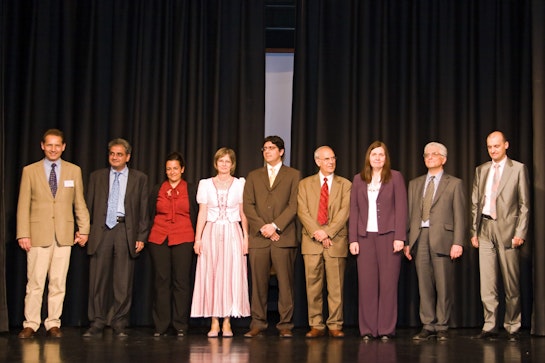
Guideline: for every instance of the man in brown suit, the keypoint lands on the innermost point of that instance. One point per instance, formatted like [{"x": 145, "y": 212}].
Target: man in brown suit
[
  {"x": 270, "y": 204},
  {"x": 51, "y": 193},
  {"x": 325, "y": 242}
]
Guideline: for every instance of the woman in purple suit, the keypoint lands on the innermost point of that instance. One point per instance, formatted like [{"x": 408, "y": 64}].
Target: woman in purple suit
[{"x": 377, "y": 231}]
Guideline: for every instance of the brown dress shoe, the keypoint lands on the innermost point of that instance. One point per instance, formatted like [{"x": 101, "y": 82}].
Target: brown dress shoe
[
  {"x": 285, "y": 333},
  {"x": 253, "y": 333},
  {"x": 336, "y": 333},
  {"x": 26, "y": 333},
  {"x": 315, "y": 333},
  {"x": 54, "y": 332}
]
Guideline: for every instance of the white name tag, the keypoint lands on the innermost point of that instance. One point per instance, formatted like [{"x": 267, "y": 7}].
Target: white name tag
[{"x": 68, "y": 183}]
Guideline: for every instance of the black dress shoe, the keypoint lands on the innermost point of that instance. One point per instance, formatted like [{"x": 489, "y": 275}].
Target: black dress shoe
[
  {"x": 93, "y": 332},
  {"x": 180, "y": 333},
  {"x": 425, "y": 334},
  {"x": 442, "y": 335},
  {"x": 120, "y": 333},
  {"x": 485, "y": 335}
]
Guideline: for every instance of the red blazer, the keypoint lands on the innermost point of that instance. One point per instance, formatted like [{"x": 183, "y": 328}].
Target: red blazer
[{"x": 391, "y": 208}]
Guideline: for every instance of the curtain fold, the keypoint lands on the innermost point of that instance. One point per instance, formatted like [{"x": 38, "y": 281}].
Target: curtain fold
[
  {"x": 410, "y": 72},
  {"x": 185, "y": 75}
]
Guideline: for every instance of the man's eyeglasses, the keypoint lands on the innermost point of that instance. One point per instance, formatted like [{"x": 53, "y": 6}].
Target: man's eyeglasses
[{"x": 265, "y": 148}]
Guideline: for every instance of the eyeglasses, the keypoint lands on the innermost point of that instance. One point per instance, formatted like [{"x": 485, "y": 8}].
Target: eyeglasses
[
  {"x": 329, "y": 160},
  {"x": 434, "y": 154},
  {"x": 265, "y": 148}
]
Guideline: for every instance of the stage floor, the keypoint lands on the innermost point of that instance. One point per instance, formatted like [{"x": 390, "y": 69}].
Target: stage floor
[{"x": 141, "y": 346}]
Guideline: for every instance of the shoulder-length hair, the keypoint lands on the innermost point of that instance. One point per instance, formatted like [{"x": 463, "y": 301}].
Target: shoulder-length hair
[{"x": 367, "y": 172}]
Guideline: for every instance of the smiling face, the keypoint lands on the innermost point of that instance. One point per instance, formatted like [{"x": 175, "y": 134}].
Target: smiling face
[
  {"x": 174, "y": 171},
  {"x": 433, "y": 158},
  {"x": 497, "y": 146},
  {"x": 118, "y": 157},
  {"x": 224, "y": 165},
  {"x": 326, "y": 161},
  {"x": 272, "y": 154},
  {"x": 377, "y": 158},
  {"x": 53, "y": 147}
]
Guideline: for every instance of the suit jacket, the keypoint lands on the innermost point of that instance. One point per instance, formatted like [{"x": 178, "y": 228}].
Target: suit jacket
[
  {"x": 512, "y": 200},
  {"x": 338, "y": 208},
  {"x": 447, "y": 213},
  {"x": 45, "y": 219},
  {"x": 277, "y": 204},
  {"x": 391, "y": 208},
  {"x": 136, "y": 208}
]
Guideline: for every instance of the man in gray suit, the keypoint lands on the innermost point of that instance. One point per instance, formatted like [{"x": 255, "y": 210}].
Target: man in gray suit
[
  {"x": 436, "y": 234},
  {"x": 270, "y": 204},
  {"x": 117, "y": 198},
  {"x": 499, "y": 223}
]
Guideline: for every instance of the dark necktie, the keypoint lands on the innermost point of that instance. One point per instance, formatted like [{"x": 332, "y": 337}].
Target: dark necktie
[
  {"x": 113, "y": 199},
  {"x": 428, "y": 198},
  {"x": 53, "y": 180},
  {"x": 324, "y": 200}
]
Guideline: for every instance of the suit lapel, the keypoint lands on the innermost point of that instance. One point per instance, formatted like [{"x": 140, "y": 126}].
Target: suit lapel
[
  {"x": 440, "y": 188},
  {"x": 506, "y": 175}
]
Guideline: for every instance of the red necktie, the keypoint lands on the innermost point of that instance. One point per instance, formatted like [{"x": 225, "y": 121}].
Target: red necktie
[{"x": 324, "y": 200}]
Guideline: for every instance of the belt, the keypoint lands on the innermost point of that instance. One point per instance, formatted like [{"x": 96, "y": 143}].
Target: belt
[
  {"x": 486, "y": 216},
  {"x": 120, "y": 219}
]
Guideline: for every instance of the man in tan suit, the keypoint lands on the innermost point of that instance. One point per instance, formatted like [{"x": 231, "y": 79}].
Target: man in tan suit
[
  {"x": 51, "y": 193},
  {"x": 324, "y": 242},
  {"x": 270, "y": 204},
  {"x": 500, "y": 204}
]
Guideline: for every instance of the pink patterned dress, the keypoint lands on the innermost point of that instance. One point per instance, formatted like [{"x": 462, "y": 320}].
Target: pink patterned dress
[{"x": 221, "y": 280}]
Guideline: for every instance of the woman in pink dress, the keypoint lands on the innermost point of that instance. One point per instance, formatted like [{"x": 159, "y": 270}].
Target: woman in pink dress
[{"x": 221, "y": 243}]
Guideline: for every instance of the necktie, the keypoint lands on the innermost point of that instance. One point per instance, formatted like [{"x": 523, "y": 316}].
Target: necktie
[
  {"x": 113, "y": 199},
  {"x": 272, "y": 176},
  {"x": 494, "y": 190},
  {"x": 428, "y": 198},
  {"x": 53, "y": 180},
  {"x": 324, "y": 200}
]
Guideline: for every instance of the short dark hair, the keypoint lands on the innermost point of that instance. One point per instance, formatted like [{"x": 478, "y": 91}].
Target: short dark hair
[
  {"x": 53, "y": 132},
  {"x": 277, "y": 140},
  {"x": 175, "y": 155}
]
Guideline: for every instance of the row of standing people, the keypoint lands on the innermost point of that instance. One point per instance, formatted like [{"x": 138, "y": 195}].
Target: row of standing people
[{"x": 257, "y": 216}]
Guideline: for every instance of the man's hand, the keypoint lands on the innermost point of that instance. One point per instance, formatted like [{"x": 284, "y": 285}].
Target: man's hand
[
  {"x": 25, "y": 243},
  {"x": 81, "y": 239},
  {"x": 139, "y": 246},
  {"x": 456, "y": 251}
]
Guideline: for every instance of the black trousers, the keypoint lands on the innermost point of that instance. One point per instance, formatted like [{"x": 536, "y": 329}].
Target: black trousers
[{"x": 173, "y": 284}]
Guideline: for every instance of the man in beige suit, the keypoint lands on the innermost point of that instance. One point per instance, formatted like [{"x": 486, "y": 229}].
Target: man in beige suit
[
  {"x": 325, "y": 241},
  {"x": 500, "y": 213},
  {"x": 51, "y": 193},
  {"x": 270, "y": 204}
]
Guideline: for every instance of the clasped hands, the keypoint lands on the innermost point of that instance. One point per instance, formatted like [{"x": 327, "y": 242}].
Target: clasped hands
[{"x": 269, "y": 231}]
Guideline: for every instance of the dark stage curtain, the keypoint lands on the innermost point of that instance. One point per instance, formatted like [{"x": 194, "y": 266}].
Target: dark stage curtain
[
  {"x": 184, "y": 75},
  {"x": 410, "y": 72}
]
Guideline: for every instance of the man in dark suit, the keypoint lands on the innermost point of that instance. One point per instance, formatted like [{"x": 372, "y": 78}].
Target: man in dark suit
[
  {"x": 117, "y": 198},
  {"x": 51, "y": 194},
  {"x": 500, "y": 203},
  {"x": 324, "y": 241},
  {"x": 436, "y": 234},
  {"x": 270, "y": 204}
]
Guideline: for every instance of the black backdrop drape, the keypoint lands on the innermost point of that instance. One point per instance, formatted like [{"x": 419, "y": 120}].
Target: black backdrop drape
[
  {"x": 189, "y": 75},
  {"x": 409, "y": 72},
  {"x": 166, "y": 75}
]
